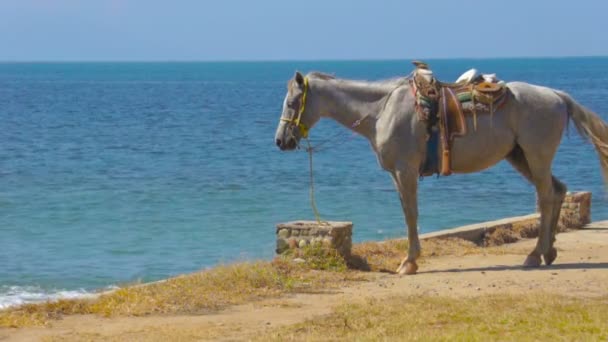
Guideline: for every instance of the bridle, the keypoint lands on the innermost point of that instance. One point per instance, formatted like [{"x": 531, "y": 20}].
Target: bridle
[{"x": 296, "y": 120}]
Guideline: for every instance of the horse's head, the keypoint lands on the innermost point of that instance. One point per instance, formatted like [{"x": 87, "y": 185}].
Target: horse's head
[{"x": 298, "y": 114}]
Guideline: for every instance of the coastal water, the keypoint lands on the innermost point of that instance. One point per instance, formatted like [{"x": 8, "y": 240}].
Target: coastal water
[{"x": 118, "y": 172}]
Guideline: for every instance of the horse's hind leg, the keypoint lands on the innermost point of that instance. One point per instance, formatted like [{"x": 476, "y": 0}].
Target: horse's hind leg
[
  {"x": 518, "y": 160},
  {"x": 559, "y": 190},
  {"x": 550, "y": 193}
]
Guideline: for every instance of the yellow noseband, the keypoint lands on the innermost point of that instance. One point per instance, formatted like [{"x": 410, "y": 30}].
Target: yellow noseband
[{"x": 297, "y": 120}]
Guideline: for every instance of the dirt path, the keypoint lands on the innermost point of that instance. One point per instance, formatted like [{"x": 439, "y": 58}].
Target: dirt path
[{"x": 581, "y": 270}]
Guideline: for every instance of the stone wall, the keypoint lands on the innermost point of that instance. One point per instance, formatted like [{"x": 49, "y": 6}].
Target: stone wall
[
  {"x": 298, "y": 234},
  {"x": 576, "y": 210},
  {"x": 575, "y": 214}
]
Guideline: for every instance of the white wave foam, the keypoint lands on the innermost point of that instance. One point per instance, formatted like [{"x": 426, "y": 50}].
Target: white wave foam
[{"x": 18, "y": 295}]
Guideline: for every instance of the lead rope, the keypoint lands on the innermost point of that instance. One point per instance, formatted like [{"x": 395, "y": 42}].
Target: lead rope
[
  {"x": 313, "y": 204},
  {"x": 310, "y": 150}
]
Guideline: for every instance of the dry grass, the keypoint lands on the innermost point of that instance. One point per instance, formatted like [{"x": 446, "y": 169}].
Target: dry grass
[
  {"x": 149, "y": 334},
  {"x": 516, "y": 231},
  {"x": 385, "y": 256},
  {"x": 529, "y": 317},
  {"x": 191, "y": 294},
  {"x": 378, "y": 256},
  {"x": 319, "y": 269},
  {"x": 317, "y": 258}
]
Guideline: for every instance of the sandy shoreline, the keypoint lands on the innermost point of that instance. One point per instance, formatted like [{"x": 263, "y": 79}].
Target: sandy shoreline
[{"x": 580, "y": 271}]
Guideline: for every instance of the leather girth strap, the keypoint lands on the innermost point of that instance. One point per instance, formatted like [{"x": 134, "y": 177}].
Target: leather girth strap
[{"x": 451, "y": 124}]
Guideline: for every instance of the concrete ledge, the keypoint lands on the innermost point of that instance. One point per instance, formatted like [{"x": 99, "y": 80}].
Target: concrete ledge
[
  {"x": 476, "y": 232},
  {"x": 597, "y": 225},
  {"x": 575, "y": 214}
]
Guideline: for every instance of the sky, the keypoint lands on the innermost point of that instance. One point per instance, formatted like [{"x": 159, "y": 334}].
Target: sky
[{"x": 217, "y": 30}]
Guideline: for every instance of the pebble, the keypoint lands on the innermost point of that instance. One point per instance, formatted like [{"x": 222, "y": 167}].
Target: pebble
[
  {"x": 299, "y": 260},
  {"x": 478, "y": 289}
]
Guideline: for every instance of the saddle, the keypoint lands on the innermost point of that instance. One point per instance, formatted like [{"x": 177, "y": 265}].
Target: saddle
[{"x": 442, "y": 106}]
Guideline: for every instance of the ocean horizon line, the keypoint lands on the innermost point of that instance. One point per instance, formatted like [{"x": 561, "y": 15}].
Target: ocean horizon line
[{"x": 211, "y": 61}]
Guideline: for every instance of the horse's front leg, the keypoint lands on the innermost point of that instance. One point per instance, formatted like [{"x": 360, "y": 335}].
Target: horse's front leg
[{"x": 407, "y": 186}]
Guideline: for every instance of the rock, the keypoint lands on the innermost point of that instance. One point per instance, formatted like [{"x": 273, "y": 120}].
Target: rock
[
  {"x": 299, "y": 260},
  {"x": 283, "y": 233},
  {"x": 333, "y": 234},
  {"x": 282, "y": 246}
]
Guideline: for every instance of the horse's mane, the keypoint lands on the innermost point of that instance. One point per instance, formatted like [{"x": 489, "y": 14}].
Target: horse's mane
[
  {"x": 381, "y": 88},
  {"x": 321, "y": 75},
  {"x": 326, "y": 77}
]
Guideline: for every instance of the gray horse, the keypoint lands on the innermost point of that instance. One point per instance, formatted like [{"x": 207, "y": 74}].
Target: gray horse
[{"x": 526, "y": 132}]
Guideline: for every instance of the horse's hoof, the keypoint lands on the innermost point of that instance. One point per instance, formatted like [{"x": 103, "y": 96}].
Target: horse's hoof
[
  {"x": 532, "y": 261},
  {"x": 410, "y": 267},
  {"x": 550, "y": 256}
]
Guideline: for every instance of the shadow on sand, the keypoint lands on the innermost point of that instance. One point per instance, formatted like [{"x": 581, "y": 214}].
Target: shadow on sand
[{"x": 554, "y": 267}]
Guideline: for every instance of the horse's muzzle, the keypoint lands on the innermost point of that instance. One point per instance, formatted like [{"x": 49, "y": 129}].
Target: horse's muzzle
[{"x": 287, "y": 144}]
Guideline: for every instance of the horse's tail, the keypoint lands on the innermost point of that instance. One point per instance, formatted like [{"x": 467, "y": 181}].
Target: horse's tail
[{"x": 590, "y": 126}]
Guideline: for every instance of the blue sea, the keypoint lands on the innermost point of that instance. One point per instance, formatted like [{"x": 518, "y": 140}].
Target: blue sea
[{"x": 112, "y": 173}]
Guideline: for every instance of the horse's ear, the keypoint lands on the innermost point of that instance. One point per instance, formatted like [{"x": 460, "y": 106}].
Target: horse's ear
[{"x": 299, "y": 78}]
